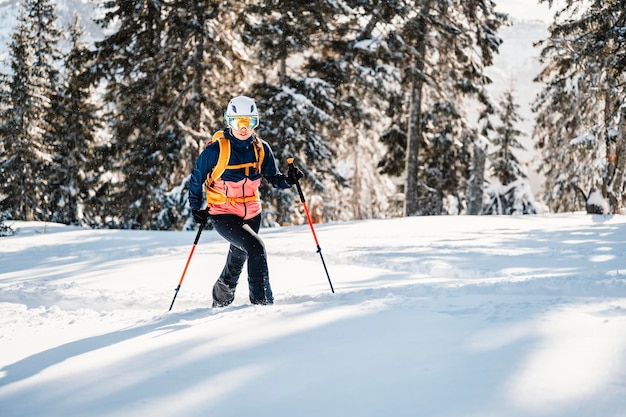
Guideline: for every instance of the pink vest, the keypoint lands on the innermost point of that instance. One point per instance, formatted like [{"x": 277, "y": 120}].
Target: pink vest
[{"x": 238, "y": 190}]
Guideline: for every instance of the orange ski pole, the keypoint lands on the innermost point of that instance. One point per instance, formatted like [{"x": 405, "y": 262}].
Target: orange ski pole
[
  {"x": 308, "y": 216},
  {"x": 195, "y": 242}
]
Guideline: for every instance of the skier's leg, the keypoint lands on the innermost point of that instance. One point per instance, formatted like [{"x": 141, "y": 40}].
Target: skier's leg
[
  {"x": 243, "y": 236},
  {"x": 224, "y": 287},
  {"x": 258, "y": 274},
  {"x": 234, "y": 265}
]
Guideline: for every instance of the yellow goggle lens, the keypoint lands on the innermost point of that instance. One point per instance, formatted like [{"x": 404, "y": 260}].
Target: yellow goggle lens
[{"x": 239, "y": 122}]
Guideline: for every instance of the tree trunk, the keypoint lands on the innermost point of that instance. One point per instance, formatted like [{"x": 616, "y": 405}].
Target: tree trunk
[
  {"x": 475, "y": 192},
  {"x": 619, "y": 174},
  {"x": 414, "y": 134},
  {"x": 356, "y": 182},
  {"x": 610, "y": 151}
]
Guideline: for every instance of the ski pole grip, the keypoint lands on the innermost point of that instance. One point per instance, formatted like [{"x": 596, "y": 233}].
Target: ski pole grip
[{"x": 290, "y": 164}]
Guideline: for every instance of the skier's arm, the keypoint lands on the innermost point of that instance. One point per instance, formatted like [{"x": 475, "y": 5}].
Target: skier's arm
[
  {"x": 204, "y": 164},
  {"x": 271, "y": 172}
]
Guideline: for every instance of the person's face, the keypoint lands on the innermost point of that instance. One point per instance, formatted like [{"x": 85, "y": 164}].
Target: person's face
[{"x": 243, "y": 133}]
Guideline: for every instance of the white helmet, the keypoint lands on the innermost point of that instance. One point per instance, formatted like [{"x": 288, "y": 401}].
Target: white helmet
[{"x": 241, "y": 106}]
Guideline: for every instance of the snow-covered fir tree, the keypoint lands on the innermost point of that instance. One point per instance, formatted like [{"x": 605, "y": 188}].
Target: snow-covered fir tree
[
  {"x": 353, "y": 59},
  {"x": 568, "y": 165},
  {"x": 74, "y": 124},
  {"x": 445, "y": 161},
  {"x": 128, "y": 62},
  {"x": 205, "y": 64},
  {"x": 580, "y": 112},
  {"x": 26, "y": 94},
  {"x": 505, "y": 166},
  {"x": 333, "y": 81},
  {"x": 509, "y": 191},
  {"x": 167, "y": 67},
  {"x": 297, "y": 110},
  {"x": 445, "y": 47}
]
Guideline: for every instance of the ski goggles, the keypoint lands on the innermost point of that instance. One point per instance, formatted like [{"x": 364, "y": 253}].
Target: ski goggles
[{"x": 239, "y": 122}]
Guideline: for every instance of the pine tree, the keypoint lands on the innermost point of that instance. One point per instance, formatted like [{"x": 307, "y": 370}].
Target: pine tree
[
  {"x": 293, "y": 120},
  {"x": 506, "y": 167},
  {"x": 74, "y": 126},
  {"x": 355, "y": 61},
  {"x": 445, "y": 46},
  {"x": 128, "y": 60},
  {"x": 567, "y": 165},
  {"x": 509, "y": 191},
  {"x": 583, "y": 99},
  {"x": 26, "y": 96},
  {"x": 205, "y": 64},
  {"x": 168, "y": 68},
  {"x": 444, "y": 161},
  {"x": 297, "y": 109}
]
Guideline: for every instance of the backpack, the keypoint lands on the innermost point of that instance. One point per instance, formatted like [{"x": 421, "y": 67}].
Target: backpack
[{"x": 214, "y": 196}]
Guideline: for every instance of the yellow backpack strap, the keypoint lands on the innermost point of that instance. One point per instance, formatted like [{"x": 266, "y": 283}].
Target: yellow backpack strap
[
  {"x": 259, "y": 151},
  {"x": 222, "y": 160}
]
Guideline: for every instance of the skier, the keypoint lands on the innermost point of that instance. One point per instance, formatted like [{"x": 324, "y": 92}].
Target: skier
[{"x": 231, "y": 167}]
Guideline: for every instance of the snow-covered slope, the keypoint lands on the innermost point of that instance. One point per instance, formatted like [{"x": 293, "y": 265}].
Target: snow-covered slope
[{"x": 452, "y": 316}]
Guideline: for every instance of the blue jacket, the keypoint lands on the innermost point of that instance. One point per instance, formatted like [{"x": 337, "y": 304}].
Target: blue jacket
[{"x": 242, "y": 151}]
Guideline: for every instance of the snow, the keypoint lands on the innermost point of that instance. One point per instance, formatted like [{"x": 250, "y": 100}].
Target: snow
[
  {"x": 432, "y": 316},
  {"x": 595, "y": 199},
  {"x": 586, "y": 139}
]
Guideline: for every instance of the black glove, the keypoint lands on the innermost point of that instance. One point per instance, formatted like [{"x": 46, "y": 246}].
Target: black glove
[
  {"x": 200, "y": 216},
  {"x": 293, "y": 175}
]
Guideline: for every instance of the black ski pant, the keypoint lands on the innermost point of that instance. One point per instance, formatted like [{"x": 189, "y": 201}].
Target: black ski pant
[{"x": 245, "y": 245}]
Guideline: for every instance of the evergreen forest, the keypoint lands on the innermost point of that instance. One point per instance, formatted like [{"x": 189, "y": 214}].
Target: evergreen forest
[{"x": 383, "y": 104}]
